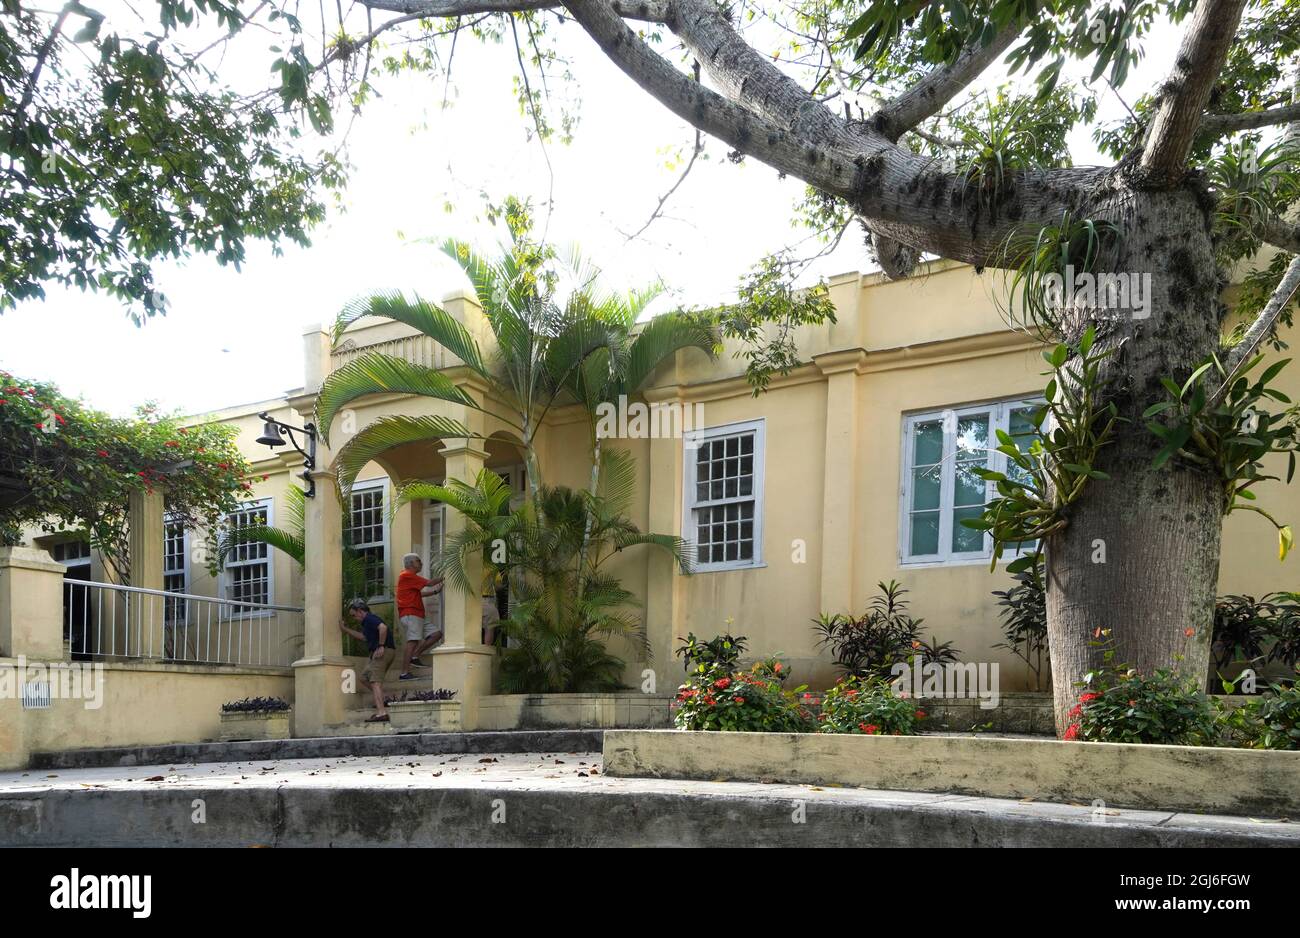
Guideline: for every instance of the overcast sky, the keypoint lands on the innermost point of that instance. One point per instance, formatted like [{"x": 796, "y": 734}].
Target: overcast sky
[{"x": 233, "y": 337}]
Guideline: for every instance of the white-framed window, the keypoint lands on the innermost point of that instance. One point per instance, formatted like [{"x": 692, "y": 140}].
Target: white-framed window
[
  {"x": 248, "y": 569},
  {"x": 176, "y": 570},
  {"x": 365, "y": 531},
  {"x": 940, "y": 489},
  {"x": 723, "y": 481}
]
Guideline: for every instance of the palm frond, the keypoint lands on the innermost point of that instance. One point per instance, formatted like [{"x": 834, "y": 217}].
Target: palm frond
[
  {"x": 428, "y": 318},
  {"x": 660, "y": 339},
  {"x": 376, "y": 373},
  {"x": 388, "y": 432}
]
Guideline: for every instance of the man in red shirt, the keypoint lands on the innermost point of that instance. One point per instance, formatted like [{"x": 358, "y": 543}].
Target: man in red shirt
[{"x": 421, "y": 634}]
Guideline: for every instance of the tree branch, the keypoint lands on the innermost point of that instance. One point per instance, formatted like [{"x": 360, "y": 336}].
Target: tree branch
[
  {"x": 1219, "y": 124},
  {"x": 936, "y": 88},
  {"x": 1179, "y": 113},
  {"x": 1263, "y": 324},
  {"x": 1282, "y": 234},
  {"x": 651, "y": 11}
]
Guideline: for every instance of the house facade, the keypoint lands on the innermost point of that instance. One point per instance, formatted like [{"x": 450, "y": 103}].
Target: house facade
[{"x": 850, "y": 470}]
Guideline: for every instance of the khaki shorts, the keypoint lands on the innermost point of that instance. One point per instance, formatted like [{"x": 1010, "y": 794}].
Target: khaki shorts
[
  {"x": 376, "y": 668},
  {"x": 415, "y": 628}
]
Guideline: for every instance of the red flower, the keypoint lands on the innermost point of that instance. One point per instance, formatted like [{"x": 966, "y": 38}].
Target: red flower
[
  {"x": 1072, "y": 731},
  {"x": 710, "y": 701},
  {"x": 103, "y": 452},
  {"x": 777, "y": 667},
  {"x": 722, "y": 683},
  {"x": 1189, "y": 632},
  {"x": 1075, "y": 711},
  {"x": 1132, "y": 703},
  {"x": 264, "y": 478},
  {"x": 869, "y": 728},
  {"x": 59, "y": 419},
  {"x": 740, "y": 700},
  {"x": 807, "y": 696},
  {"x": 172, "y": 443},
  {"x": 1084, "y": 698},
  {"x": 920, "y": 714}
]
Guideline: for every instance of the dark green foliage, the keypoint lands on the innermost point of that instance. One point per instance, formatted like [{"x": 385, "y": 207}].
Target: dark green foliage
[
  {"x": 1023, "y": 610},
  {"x": 884, "y": 636},
  {"x": 256, "y": 705}
]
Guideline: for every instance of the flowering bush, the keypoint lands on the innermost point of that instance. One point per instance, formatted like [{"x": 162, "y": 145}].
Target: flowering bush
[
  {"x": 1269, "y": 721},
  {"x": 868, "y": 706},
  {"x": 741, "y": 701},
  {"x": 1122, "y": 706},
  {"x": 64, "y": 466},
  {"x": 256, "y": 705}
]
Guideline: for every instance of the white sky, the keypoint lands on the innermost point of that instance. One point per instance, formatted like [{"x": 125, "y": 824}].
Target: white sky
[{"x": 235, "y": 337}]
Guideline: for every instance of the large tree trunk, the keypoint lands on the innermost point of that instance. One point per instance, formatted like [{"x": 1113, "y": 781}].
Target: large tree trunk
[{"x": 1140, "y": 554}]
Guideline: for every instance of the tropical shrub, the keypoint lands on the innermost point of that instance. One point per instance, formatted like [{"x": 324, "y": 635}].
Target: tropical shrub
[
  {"x": 721, "y": 651},
  {"x": 754, "y": 701},
  {"x": 1023, "y": 610},
  {"x": 884, "y": 636},
  {"x": 870, "y": 707},
  {"x": 1259, "y": 631},
  {"x": 1268, "y": 721},
  {"x": 1119, "y": 705},
  {"x": 256, "y": 705}
]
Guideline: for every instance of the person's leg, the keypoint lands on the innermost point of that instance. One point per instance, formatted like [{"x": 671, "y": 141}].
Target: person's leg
[{"x": 409, "y": 651}]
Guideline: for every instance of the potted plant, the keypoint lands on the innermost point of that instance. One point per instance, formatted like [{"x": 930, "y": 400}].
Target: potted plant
[
  {"x": 255, "y": 718},
  {"x": 424, "y": 711}
]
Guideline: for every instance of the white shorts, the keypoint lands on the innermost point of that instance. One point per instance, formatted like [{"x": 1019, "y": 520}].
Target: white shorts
[{"x": 417, "y": 628}]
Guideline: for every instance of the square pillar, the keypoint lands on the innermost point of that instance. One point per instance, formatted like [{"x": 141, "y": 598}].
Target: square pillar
[
  {"x": 145, "y": 614},
  {"x": 319, "y": 675},
  {"x": 31, "y": 604},
  {"x": 462, "y": 662},
  {"x": 840, "y": 480}
]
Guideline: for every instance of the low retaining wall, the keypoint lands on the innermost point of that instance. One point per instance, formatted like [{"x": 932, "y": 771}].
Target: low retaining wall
[
  {"x": 131, "y": 704},
  {"x": 575, "y": 711},
  {"x": 1168, "y": 778},
  {"x": 1015, "y": 713}
]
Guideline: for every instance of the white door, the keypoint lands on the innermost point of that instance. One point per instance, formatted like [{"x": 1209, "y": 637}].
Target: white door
[{"x": 432, "y": 539}]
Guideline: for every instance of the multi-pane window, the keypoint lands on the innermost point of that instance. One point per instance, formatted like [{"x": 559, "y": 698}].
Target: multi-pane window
[
  {"x": 941, "y": 488},
  {"x": 363, "y": 530},
  {"x": 248, "y": 563},
  {"x": 71, "y": 553},
  {"x": 174, "y": 569},
  {"x": 724, "y": 496}
]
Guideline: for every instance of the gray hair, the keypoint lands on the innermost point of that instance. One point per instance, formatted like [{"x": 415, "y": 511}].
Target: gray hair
[
  {"x": 406, "y": 561},
  {"x": 360, "y": 604}
]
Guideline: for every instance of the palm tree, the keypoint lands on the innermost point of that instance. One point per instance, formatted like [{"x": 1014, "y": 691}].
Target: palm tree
[
  {"x": 609, "y": 376},
  {"x": 566, "y": 603},
  {"x": 541, "y": 342}
]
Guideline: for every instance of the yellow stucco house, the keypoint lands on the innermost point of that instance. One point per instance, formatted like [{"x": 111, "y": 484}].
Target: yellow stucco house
[{"x": 800, "y": 500}]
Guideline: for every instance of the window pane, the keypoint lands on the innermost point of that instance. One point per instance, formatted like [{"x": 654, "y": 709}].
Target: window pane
[
  {"x": 968, "y": 488},
  {"x": 973, "y": 436},
  {"x": 925, "y": 488},
  {"x": 927, "y": 448},
  {"x": 966, "y": 539},
  {"x": 925, "y": 533}
]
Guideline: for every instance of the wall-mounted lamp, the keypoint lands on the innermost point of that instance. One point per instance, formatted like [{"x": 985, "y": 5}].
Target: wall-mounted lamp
[{"x": 271, "y": 437}]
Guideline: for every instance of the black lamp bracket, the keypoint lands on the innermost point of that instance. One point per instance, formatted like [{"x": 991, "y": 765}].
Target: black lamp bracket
[{"x": 308, "y": 454}]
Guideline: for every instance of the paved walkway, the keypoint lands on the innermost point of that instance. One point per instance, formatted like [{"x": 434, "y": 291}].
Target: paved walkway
[{"x": 540, "y": 799}]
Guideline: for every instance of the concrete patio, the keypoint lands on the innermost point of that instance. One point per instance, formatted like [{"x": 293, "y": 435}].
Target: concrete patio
[{"x": 545, "y": 799}]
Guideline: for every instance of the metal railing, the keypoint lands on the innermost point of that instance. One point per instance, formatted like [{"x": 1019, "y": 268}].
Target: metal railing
[
  {"x": 417, "y": 349},
  {"x": 105, "y": 620}
]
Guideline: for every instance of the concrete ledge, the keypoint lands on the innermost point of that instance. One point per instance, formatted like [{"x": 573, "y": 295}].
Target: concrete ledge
[
  {"x": 536, "y": 711},
  {"x": 1168, "y": 778},
  {"x": 635, "y": 813},
  {"x": 327, "y": 747}
]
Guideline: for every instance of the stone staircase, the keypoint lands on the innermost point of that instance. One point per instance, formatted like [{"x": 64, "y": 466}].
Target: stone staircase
[{"x": 360, "y": 706}]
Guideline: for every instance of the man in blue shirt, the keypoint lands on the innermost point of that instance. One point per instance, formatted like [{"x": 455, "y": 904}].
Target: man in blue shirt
[{"x": 379, "y": 643}]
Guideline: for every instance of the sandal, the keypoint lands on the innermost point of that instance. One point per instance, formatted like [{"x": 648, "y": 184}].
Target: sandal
[{"x": 378, "y": 718}]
